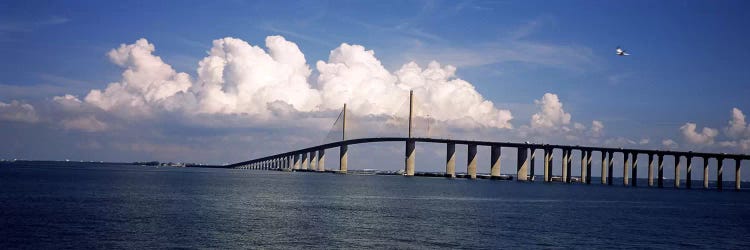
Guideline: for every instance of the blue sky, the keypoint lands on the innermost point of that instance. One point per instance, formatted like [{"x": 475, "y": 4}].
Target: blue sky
[{"x": 688, "y": 63}]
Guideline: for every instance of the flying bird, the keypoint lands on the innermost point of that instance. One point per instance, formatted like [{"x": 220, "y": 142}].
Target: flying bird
[{"x": 621, "y": 52}]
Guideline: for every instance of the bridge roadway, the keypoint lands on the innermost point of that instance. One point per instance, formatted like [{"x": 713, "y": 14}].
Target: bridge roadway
[{"x": 299, "y": 159}]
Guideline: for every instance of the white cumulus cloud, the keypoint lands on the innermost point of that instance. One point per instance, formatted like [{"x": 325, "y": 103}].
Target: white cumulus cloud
[
  {"x": 237, "y": 78},
  {"x": 146, "y": 82},
  {"x": 551, "y": 113},
  {"x": 737, "y": 127},
  {"x": 705, "y": 137}
]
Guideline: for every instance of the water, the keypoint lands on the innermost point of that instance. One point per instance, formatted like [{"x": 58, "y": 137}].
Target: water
[{"x": 111, "y": 206}]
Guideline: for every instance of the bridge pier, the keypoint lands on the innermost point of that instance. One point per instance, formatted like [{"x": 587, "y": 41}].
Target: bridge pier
[
  {"x": 305, "y": 161},
  {"x": 296, "y": 161},
  {"x": 719, "y": 173},
  {"x": 321, "y": 160},
  {"x": 409, "y": 157},
  {"x": 564, "y": 164},
  {"x": 583, "y": 166},
  {"x": 689, "y": 173},
  {"x": 610, "y": 168},
  {"x": 634, "y": 176},
  {"x": 313, "y": 161},
  {"x": 343, "y": 157},
  {"x": 547, "y": 163},
  {"x": 589, "y": 155},
  {"x": 450, "y": 160},
  {"x": 604, "y": 167},
  {"x": 660, "y": 166},
  {"x": 650, "y": 170},
  {"x": 677, "y": 163},
  {"x": 495, "y": 156},
  {"x": 532, "y": 155},
  {"x": 569, "y": 163},
  {"x": 737, "y": 162},
  {"x": 705, "y": 172},
  {"x": 471, "y": 161},
  {"x": 523, "y": 163},
  {"x": 625, "y": 166}
]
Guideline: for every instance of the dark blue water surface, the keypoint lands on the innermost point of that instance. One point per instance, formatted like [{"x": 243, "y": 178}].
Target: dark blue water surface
[{"x": 111, "y": 206}]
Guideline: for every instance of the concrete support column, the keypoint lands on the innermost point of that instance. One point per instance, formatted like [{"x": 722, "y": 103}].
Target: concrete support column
[
  {"x": 547, "y": 172},
  {"x": 450, "y": 160},
  {"x": 343, "y": 156},
  {"x": 321, "y": 160},
  {"x": 611, "y": 167},
  {"x": 689, "y": 173},
  {"x": 583, "y": 166},
  {"x": 570, "y": 165},
  {"x": 313, "y": 160},
  {"x": 677, "y": 161},
  {"x": 660, "y": 166},
  {"x": 650, "y": 170},
  {"x": 522, "y": 164},
  {"x": 532, "y": 155},
  {"x": 589, "y": 154},
  {"x": 551, "y": 160},
  {"x": 471, "y": 161},
  {"x": 409, "y": 157},
  {"x": 564, "y": 159},
  {"x": 305, "y": 161},
  {"x": 719, "y": 173},
  {"x": 705, "y": 173},
  {"x": 625, "y": 166},
  {"x": 737, "y": 178},
  {"x": 604, "y": 167},
  {"x": 296, "y": 161},
  {"x": 634, "y": 176},
  {"x": 495, "y": 155}
]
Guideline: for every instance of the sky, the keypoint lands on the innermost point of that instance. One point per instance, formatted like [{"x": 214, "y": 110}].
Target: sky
[{"x": 225, "y": 81}]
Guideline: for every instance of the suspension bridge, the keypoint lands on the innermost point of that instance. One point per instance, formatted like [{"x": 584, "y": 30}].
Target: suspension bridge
[{"x": 313, "y": 159}]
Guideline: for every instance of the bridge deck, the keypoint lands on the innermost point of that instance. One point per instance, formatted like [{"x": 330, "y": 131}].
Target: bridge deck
[{"x": 492, "y": 143}]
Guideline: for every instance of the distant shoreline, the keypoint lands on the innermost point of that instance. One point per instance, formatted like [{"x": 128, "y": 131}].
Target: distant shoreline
[{"x": 150, "y": 163}]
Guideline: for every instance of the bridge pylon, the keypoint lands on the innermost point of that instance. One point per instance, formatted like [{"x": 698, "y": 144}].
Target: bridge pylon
[
  {"x": 344, "y": 148},
  {"x": 409, "y": 159}
]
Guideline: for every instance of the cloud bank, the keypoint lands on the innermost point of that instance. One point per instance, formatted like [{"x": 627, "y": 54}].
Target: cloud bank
[
  {"x": 16, "y": 111},
  {"x": 242, "y": 93},
  {"x": 267, "y": 85},
  {"x": 737, "y": 133}
]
